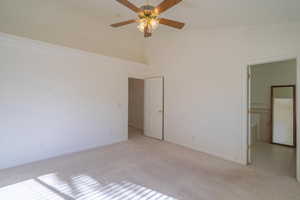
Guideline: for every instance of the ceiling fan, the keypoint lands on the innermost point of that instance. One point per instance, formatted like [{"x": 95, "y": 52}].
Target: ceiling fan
[{"x": 148, "y": 16}]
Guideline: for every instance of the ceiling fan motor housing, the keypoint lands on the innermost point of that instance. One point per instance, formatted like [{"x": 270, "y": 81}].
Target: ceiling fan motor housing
[
  {"x": 147, "y": 7},
  {"x": 148, "y": 11}
]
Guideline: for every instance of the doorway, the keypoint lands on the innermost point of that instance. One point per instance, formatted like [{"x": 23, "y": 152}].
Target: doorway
[
  {"x": 135, "y": 107},
  {"x": 272, "y": 117},
  {"x": 146, "y": 107}
]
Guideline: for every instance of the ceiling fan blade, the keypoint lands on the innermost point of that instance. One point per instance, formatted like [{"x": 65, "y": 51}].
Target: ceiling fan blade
[
  {"x": 129, "y": 5},
  {"x": 166, "y": 4},
  {"x": 123, "y": 23},
  {"x": 172, "y": 23},
  {"x": 147, "y": 33}
]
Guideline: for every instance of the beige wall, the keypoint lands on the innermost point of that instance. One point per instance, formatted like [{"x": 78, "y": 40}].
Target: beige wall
[
  {"x": 265, "y": 75},
  {"x": 136, "y": 103},
  {"x": 262, "y": 78},
  {"x": 55, "y": 100},
  {"x": 206, "y": 82}
]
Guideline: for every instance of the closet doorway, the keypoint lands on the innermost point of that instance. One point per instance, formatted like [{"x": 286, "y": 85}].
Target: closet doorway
[{"x": 146, "y": 107}]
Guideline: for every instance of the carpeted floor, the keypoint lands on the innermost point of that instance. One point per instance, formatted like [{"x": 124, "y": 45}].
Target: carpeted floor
[{"x": 143, "y": 168}]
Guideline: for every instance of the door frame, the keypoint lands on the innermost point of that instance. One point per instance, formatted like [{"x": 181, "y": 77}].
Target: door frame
[
  {"x": 163, "y": 102},
  {"x": 294, "y": 114},
  {"x": 246, "y": 97}
]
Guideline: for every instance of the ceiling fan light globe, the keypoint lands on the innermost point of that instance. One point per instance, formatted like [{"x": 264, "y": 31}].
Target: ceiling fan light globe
[
  {"x": 154, "y": 23},
  {"x": 141, "y": 26}
]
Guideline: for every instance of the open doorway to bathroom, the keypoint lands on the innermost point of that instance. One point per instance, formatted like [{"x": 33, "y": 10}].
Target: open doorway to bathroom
[{"x": 272, "y": 128}]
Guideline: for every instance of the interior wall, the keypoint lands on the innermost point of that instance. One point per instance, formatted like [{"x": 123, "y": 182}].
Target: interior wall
[
  {"x": 136, "y": 103},
  {"x": 264, "y": 76},
  {"x": 55, "y": 100},
  {"x": 206, "y": 83}
]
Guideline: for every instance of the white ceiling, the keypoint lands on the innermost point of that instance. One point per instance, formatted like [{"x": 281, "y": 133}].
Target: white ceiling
[
  {"x": 84, "y": 24},
  {"x": 202, "y": 13},
  {"x": 195, "y": 13}
]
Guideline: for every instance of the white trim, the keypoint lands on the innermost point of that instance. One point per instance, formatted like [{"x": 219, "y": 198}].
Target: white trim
[
  {"x": 152, "y": 77},
  {"x": 245, "y": 103},
  {"x": 298, "y": 118},
  {"x": 136, "y": 76}
]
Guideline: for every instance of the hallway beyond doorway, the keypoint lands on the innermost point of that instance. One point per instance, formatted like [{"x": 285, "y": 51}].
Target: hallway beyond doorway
[
  {"x": 134, "y": 133},
  {"x": 275, "y": 159}
]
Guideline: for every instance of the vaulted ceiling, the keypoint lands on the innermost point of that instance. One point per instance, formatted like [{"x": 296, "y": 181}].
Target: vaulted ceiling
[
  {"x": 206, "y": 13},
  {"x": 84, "y": 24}
]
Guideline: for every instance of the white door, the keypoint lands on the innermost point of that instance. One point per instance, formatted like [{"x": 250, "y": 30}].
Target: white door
[
  {"x": 283, "y": 115},
  {"x": 153, "y": 114},
  {"x": 283, "y": 124}
]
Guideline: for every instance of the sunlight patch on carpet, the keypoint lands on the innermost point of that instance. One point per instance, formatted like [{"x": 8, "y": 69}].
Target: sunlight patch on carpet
[{"x": 81, "y": 187}]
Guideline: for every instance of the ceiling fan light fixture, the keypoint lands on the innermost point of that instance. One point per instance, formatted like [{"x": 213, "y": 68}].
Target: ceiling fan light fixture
[
  {"x": 142, "y": 25},
  {"x": 148, "y": 16},
  {"x": 152, "y": 24}
]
